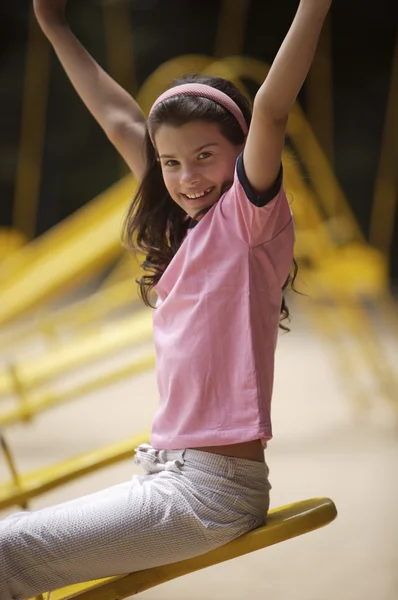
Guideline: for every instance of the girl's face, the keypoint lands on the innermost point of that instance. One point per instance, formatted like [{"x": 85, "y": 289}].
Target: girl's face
[{"x": 197, "y": 162}]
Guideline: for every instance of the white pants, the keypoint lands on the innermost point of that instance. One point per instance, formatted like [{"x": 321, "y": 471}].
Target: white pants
[{"x": 187, "y": 503}]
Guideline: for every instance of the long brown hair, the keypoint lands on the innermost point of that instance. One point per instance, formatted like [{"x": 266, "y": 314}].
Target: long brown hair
[{"x": 155, "y": 226}]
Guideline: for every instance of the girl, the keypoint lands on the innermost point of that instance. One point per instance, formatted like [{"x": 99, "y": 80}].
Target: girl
[{"x": 212, "y": 217}]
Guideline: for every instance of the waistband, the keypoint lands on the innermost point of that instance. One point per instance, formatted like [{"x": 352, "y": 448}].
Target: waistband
[{"x": 154, "y": 461}]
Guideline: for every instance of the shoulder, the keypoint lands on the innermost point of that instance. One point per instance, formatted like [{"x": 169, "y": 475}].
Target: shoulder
[
  {"x": 255, "y": 218},
  {"x": 251, "y": 195}
]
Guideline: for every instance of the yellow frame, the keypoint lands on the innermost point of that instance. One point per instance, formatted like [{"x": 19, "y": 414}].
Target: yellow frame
[
  {"x": 284, "y": 523},
  {"x": 23, "y": 487}
]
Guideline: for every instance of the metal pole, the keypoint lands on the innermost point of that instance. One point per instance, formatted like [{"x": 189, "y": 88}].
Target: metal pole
[
  {"x": 385, "y": 199},
  {"x": 33, "y": 122}
]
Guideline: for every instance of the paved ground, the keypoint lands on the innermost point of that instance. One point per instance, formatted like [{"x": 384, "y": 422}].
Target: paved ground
[{"x": 323, "y": 446}]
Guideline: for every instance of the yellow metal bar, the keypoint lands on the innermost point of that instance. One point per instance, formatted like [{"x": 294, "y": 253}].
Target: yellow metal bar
[
  {"x": 328, "y": 322},
  {"x": 119, "y": 48},
  {"x": 319, "y": 92},
  {"x": 33, "y": 484},
  {"x": 124, "y": 270},
  {"x": 343, "y": 223},
  {"x": 350, "y": 272},
  {"x": 7, "y": 383},
  {"x": 37, "y": 402},
  {"x": 283, "y": 523},
  {"x": 386, "y": 190},
  {"x": 97, "y": 306},
  {"x": 371, "y": 350},
  {"x": 16, "y": 478},
  {"x": 9, "y": 459},
  {"x": 65, "y": 255},
  {"x": 110, "y": 339},
  {"x": 231, "y": 28},
  {"x": 21, "y": 393},
  {"x": 10, "y": 241},
  {"x": 89, "y": 310},
  {"x": 34, "y": 106},
  {"x": 118, "y": 43},
  {"x": 313, "y": 238}
]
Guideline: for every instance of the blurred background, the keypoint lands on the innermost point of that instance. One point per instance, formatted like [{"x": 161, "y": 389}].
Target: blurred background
[{"x": 77, "y": 385}]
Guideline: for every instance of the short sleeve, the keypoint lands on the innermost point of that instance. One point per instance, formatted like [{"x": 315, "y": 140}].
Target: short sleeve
[{"x": 255, "y": 219}]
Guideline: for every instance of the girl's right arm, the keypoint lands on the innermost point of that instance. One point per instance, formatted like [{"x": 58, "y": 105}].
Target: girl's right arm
[{"x": 115, "y": 110}]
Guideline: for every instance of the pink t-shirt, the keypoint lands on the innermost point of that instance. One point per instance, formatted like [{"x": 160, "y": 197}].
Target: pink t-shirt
[{"x": 216, "y": 321}]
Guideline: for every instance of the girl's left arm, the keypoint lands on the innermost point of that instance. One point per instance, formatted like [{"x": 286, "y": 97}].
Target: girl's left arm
[{"x": 277, "y": 95}]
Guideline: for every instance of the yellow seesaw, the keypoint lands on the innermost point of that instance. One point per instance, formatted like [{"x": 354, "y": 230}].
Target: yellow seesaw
[{"x": 283, "y": 523}]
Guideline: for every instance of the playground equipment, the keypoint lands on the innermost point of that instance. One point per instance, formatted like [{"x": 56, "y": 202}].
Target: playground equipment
[
  {"x": 283, "y": 523},
  {"x": 24, "y": 487},
  {"x": 65, "y": 256},
  {"x": 77, "y": 317},
  {"x": 10, "y": 241},
  {"x": 25, "y": 378}
]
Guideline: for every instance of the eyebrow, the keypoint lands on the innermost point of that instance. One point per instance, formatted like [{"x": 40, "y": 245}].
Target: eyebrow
[{"x": 196, "y": 150}]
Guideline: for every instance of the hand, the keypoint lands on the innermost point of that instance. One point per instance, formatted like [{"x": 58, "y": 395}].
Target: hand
[
  {"x": 317, "y": 4},
  {"x": 50, "y": 12}
]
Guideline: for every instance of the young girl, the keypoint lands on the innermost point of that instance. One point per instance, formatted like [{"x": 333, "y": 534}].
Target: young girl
[{"x": 212, "y": 217}]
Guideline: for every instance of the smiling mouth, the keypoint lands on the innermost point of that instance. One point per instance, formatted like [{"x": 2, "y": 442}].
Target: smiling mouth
[{"x": 198, "y": 195}]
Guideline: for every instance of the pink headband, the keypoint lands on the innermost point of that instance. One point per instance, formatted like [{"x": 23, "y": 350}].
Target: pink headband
[{"x": 203, "y": 91}]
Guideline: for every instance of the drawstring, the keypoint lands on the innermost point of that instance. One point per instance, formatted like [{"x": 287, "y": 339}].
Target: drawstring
[{"x": 155, "y": 461}]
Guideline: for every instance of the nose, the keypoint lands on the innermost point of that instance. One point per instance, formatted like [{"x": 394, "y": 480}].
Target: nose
[{"x": 189, "y": 177}]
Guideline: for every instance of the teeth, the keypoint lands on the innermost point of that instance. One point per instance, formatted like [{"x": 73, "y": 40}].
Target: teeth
[
  {"x": 192, "y": 196},
  {"x": 199, "y": 195}
]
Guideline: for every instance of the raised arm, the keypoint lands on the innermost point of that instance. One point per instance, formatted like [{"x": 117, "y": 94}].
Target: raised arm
[
  {"x": 278, "y": 93},
  {"x": 116, "y": 111}
]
